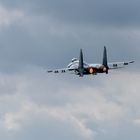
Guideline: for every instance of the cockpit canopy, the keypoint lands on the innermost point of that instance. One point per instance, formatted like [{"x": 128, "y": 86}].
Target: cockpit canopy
[{"x": 74, "y": 59}]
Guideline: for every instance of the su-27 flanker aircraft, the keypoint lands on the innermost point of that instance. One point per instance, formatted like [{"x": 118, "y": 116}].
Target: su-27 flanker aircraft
[{"x": 81, "y": 68}]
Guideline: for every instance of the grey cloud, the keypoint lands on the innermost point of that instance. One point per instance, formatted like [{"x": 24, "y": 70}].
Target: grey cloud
[
  {"x": 46, "y": 128},
  {"x": 34, "y": 45},
  {"x": 75, "y": 108},
  {"x": 114, "y": 13},
  {"x": 44, "y": 40}
]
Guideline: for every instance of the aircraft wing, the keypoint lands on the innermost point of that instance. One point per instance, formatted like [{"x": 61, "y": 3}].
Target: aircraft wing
[
  {"x": 117, "y": 65},
  {"x": 63, "y": 70}
]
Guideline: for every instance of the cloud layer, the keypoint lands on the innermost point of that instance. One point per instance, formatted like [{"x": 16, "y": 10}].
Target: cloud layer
[{"x": 34, "y": 108}]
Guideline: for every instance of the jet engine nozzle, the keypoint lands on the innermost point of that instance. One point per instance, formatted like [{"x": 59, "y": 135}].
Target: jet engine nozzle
[
  {"x": 91, "y": 70},
  {"x": 105, "y": 69}
]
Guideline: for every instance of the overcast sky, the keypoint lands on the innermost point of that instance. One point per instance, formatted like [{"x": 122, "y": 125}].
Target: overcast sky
[{"x": 37, "y": 35}]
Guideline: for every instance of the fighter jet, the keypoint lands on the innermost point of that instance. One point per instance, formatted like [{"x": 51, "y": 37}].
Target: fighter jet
[{"x": 81, "y": 68}]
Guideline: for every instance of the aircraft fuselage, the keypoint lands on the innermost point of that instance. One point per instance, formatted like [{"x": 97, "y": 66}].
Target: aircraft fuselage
[{"x": 88, "y": 68}]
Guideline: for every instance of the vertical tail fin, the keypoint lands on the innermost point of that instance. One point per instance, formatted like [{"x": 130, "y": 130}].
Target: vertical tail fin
[
  {"x": 105, "y": 63},
  {"x": 81, "y": 64}
]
